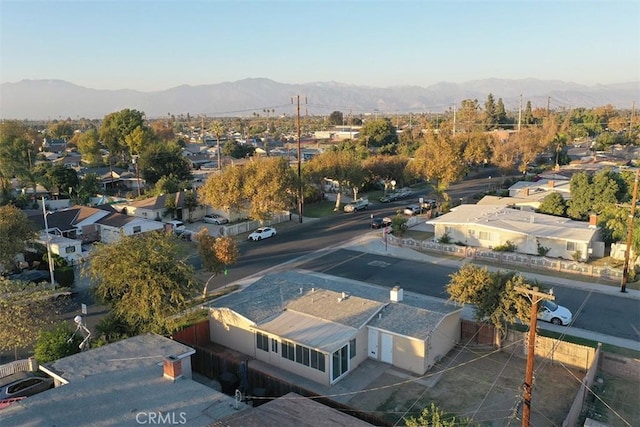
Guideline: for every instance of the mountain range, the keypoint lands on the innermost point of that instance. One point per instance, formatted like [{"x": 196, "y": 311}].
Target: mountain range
[{"x": 51, "y": 99}]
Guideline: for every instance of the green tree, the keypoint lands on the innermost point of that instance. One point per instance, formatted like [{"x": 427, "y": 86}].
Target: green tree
[
  {"x": 553, "y": 204},
  {"x": 16, "y": 230},
  {"x": 434, "y": 417},
  {"x": 216, "y": 253},
  {"x": 138, "y": 139},
  {"x": 336, "y": 118},
  {"x": 61, "y": 130},
  {"x": 20, "y": 317},
  {"x": 60, "y": 178},
  {"x": 18, "y": 151},
  {"x": 143, "y": 279},
  {"x": 161, "y": 159},
  {"x": 237, "y": 150},
  {"x": 581, "y": 203},
  {"x": 490, "y": 113},
  {"x": 493, "y": 294},
  {"x": 89, "y": 146},
  {"x": 116, "y": 126},
  {"x": 501, "y": 115},
  {"x": 190, "y": 203},
  {"x": 378, "y": 133},
  {"x": 56, "y": 343},
  {"x": 89, "y": 187}
]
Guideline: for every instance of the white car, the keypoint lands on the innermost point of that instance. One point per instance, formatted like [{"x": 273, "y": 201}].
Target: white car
[
  {"x": 214, "y": 219},
  {"x": 262, "y": 233},
  {"x": 412, "y": 210},
  {"x": 549, "y": 311},
  {"x": 357, "y": 205}
]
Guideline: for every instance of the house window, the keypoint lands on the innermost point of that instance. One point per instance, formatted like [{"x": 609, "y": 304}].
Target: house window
[
  {"x": 485, "y": 235},
  {"x": 352, "y": 348},
  {"x": 288, "y": 350},
  {"x": 472, "y": 232},
  {"x": 137, "y": 229},
  {"x": 571, "y": 246},
  {"x": 340, "y": 362},
  {"x": 262, "y": 341},
  {"x": 274, "y": 345},
  {"x": 317, "y": 360},
  {"x": 448, "y": 230},
  {"x": 70, "y": 249}
]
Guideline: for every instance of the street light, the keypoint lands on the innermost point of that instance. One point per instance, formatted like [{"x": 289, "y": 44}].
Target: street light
[{"x": 49, "y": 258}]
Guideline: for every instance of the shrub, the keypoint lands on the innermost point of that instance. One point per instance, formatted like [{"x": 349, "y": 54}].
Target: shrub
[
  {"x": 445, "y": 239},
  {"x": 56, "y": 343},
  {"x": 507, "y": 246}
]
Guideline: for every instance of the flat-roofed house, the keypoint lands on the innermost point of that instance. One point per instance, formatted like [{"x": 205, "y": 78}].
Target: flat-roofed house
[
  {"x": 487, "y": 226},
  {"x": 322, "y": 327}
]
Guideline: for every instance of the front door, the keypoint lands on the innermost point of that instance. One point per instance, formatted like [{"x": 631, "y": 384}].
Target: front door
[
  {"x": 373, "y": 344},
  {"x": 386, "y": 355}
]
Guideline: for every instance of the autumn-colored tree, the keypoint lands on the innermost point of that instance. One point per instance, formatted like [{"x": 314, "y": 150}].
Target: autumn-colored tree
[
  {"x": 16, "y": 230},
  {"x": 440, "y": 159},
  {"x": 386, "y": 169},
  {"x": 343, "y": 166},
  {"x": 262, "y": 187},
  {"x": 143, "y": 279},
  {"x": 216, "y": 253},
  {"x": 504, "y": 154},
  {"x": 529, "y": 143}
]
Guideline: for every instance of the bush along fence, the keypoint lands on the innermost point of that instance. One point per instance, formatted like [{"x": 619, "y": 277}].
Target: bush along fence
[{"x": 508, "y": 258}]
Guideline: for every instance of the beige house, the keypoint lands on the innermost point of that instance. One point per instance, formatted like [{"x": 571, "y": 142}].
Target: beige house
[
  {"x": 322, "y": 327},
  {"x": 489, "y": 226}
]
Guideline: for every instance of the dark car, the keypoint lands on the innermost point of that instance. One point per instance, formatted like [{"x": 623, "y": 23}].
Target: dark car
[
  {"x": 380, "y": 222},
  {"x": 35, "y": 276},
  {"x": 24, "y": 384},
  {"x": 387, "y": 198}
]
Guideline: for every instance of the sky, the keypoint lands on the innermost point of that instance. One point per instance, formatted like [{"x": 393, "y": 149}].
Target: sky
[{"x": 156, "y": 45}]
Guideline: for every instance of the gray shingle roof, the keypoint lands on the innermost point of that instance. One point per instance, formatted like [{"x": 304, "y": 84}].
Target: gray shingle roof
[{"x": 316, "y": 295}]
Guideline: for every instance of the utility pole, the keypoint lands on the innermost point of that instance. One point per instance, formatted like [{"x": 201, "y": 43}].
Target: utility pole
[
  {"x": 535, "y": 297},
  {"x": 300, "y": 192},
  {"x": 454, "y": 119},
  {"x": 548, "y": 104},
  {"x": 520, "y": 114},
  {"x": 625, "y": 269}
]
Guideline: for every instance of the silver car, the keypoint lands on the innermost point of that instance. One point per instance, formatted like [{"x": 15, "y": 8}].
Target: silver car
[{"x": 214, "y": 219}]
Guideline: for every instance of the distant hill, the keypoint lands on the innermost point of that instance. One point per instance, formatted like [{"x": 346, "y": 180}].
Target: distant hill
[{"x": 49, "y": 99}]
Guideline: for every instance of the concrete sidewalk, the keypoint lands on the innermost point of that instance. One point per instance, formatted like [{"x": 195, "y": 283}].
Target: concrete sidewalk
[{"x": 373, "y": 243}]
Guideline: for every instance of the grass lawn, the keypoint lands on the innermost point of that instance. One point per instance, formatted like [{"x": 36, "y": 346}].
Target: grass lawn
[{"x": 321, "y": 209}]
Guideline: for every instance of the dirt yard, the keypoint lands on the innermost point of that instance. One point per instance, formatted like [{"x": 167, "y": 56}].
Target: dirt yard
[{"x": 480, "y": 384}]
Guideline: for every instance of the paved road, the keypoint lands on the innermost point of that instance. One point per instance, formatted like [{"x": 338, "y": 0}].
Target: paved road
[
  {"x": 602, "y": 313},
  {"x": 611, "y": 315}
]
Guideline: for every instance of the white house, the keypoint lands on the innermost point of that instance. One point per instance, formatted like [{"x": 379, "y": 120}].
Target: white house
[
  {"x": 322, "y": 327},
  {"x": 69, "y": 249},
  {"x": 115, "y": 226},
  {"x": 489, "y": 226}
]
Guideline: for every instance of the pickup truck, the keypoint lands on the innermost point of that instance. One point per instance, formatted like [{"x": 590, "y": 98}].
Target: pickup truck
[{"x": 357, "y": 205}]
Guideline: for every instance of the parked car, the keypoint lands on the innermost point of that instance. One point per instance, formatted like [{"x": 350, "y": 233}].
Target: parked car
[
  {"x": 429, "y": 204},
  {"x": 178, "y": 226},
  {"x": 24, "y": 384},
  {"x": 35, "y": 276},
  {"x": 214, "y": 219},
  {"x": 357, "y": 205},
  {"x": 378, "y": 222},
  {"x": 405, "y": 192},
  {"x": 412, "y": 210},
  {"x": 391, "y": 197},
  {"x": 549, "y": 311},
  {"x": 262, "y": 233}
]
